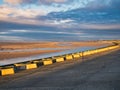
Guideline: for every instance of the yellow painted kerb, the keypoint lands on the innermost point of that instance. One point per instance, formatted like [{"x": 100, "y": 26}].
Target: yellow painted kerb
[
  {"x": 76, "y": 55},
  {"x": 19, "y": 64},
  {"x": 69, "y": 57},
  {"x": 7, "y": 71},
  {"x": 31, "y": 66},
  {"x": 59, "y": 59},
  {"x": 47, "y": 62}
]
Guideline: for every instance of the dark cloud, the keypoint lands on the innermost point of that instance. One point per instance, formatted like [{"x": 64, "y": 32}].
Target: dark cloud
[
  {"x": 115, "y": 4},
  {"x": 96, "y": 11},
  {"x": 22, "y": 2},
  {"x": 87, "y": 3},
  {"x": 85, "y": 15},
  {"x": 102, "y": 4},
  {"x": 9, "y": 25}
]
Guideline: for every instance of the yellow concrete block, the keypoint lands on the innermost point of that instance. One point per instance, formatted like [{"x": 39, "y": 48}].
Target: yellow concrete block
[
  {"x": 91, "y": 52},
  {"x": 7, "y": 71},
  {"x": 59, "y": 59},
  {"x": 95, "y": 51},
  {"x": 47, "y": 62},
  {"x": 76, "y": 55},
  {"x": 69, "y": 57},
  {"x": 99, "y": 50},
  {"x": 81, "y": 54},
  {"x": 37, "y": 61},
  {"x": 113, "y": 47},
  {"x": 19, "y": 64},
  {"x": 31, "y": 66},
  {"x": 104, "y": 49},
  {"x": 87, "y": 53}
]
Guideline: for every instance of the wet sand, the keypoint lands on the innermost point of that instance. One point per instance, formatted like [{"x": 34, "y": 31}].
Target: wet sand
[{"x": 47, "y": 46}]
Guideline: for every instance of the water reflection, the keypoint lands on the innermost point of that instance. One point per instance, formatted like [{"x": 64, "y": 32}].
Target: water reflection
[
  {"x": 33, "y": 49},
  {"x": 35, "y": 57}
]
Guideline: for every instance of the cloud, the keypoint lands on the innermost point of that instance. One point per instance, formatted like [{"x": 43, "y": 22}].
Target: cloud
[
  {"x": 101, "y": 4},
  {"x": 30, "y": 16},
  {"x": 90, "y": 26},
  {"x": 13, "y": 2},
  {"x": 2, "y": 33},
  {"x": 21, "y": 16},
  {"x": 69, "y": 3},
  {"x": 20, "y": 31},
  {"x": 100, "y": 26},
  {"x": 5, "y": 25},
  {"x": 115, "y": 4},
  {"x": 63, "y": 21},
  {"x": 13, "y": 38},
  {"x": 16, "y": 2},
  {"x": 52, "y": 1},
  {"x": 45, "y": 32},
  {"x": 24, "y": 21},
  {"x": 6, "y": 11}
]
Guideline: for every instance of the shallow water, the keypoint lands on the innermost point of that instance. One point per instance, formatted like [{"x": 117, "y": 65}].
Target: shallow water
[
  {"x": 34, "y": 49},
  {"x": 35, "y": 57}
]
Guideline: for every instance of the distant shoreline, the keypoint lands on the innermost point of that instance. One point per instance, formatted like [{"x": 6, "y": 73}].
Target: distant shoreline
[{"x": 21, "y": 49}]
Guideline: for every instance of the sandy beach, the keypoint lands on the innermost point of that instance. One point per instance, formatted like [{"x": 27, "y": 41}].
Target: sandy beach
[{"x": 25, "y": 49}]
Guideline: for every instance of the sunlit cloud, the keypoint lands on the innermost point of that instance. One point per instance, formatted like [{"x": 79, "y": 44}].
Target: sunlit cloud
[
  {"x": 20, "y": 31},
  {"x": 8, "y": 12},
  {"x": 14, "y": 2},
  {"x": 2, "y": 33},
  {"x": 62, "y": 21}
]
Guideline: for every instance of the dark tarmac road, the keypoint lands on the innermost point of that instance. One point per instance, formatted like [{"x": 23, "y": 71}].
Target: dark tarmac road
[{"x": 98, "y": 73}]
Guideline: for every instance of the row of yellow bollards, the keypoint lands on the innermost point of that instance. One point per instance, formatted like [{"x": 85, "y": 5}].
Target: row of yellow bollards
[{"x": 12, "y": 69}]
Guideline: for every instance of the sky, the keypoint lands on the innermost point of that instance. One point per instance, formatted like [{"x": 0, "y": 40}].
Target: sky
[{"x": 59, "y": 20}]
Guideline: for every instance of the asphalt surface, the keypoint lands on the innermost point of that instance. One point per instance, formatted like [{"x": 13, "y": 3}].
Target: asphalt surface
[{"x": 94, "y": 73}]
